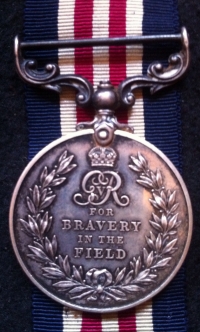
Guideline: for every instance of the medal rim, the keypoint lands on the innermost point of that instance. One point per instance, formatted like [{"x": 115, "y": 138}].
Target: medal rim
[{"x": 171, "y": 167}]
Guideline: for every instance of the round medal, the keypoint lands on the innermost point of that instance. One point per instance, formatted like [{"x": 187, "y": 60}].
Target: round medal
[{"x": 100, "y": 227}]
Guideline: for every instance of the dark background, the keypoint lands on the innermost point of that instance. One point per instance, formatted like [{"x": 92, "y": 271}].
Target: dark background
[{"x": 15, "y": 288}]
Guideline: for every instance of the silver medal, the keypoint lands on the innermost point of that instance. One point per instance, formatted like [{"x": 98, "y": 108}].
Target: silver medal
[{"x": 101, "y": 220}]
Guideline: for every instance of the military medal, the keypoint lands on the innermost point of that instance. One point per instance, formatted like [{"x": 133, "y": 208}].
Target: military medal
[{"x": 101, "y": 220}]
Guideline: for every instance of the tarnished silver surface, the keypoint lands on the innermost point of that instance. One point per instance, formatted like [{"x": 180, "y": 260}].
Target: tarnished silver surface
[{"x": 99, "y": 228}]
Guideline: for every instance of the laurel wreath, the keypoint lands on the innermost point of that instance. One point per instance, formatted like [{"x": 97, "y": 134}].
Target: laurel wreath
[{"x": 101, "y": 284}]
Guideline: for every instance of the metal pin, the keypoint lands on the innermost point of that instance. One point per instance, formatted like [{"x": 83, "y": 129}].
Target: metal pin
[{"x": 70, "y": 43}]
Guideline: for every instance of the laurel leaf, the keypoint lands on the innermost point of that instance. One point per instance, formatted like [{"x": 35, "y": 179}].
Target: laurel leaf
[
  {"x": 158, "y": 242},
  {"x": 173, "y": 251},
  {"x": 26, "y": 227},
  {"x": 163, "y": 196},
  {"x": 146, "y": 178},
  {"x": 164, "y": 222},
  {"x": 155, "y": 225},
  {"x": 80, "y": 270},
  {"x": 153, "y": 177},
  {"x": 38, "y": 220},
  {"x": 43, "y": 175},
  {"x": 76, "y": 274},
  {"x": 52, "y": 273},
  {"x": 171, "y": 199},
  {"x": 154, "y": 203},
  {"x": 66, "y": 266},
  {"x": 57, "y": 182},
  {"x": 152, "y": 236},
  {"x": 77, "y": 289},
  {"x": 145, "y": 184},
  {"x": 64, "y": 285},
  {"x": 132, "y": 288},
  {"x": 156, "y": 218},
  {"x": 48, "y": 247},
  {"x": 60, "y": 261},
  {"x": 160, "y": 202},
  {"x": 38, "y": 245},
  {"x": 150, "y": 259},
  {"x": 36, "y": 196},
  {"x": 174, "y": 208},
  {"x": 172, "y": 233},
  {"x": 64, "y": 164},
  {"x": 49, "y": 178},
  {"x": 117, "y": 271},
  {"x": 33, "y": 226},
  {"x": 142, "y": 160},
  {"x": 162, "y": 263},
  {"x": 137, "y": 266},
  {"x": 39, "y": 253},
  {"x": 168, "y": 193},
  {"x": 132, "y": 265},
  {"x": 30, "y": 205},
  {"x": 178, "y": 223},
  {"x": 147, "y": 281},
  {"x": 169, "y": 246},
  {"x": 43, "y": 195},
  {"x": 35, "y": 258},
  {"x": 49, "y": 223},
  {"x": 54, "y": 245},
  {"x": 145, "y": 254},
  {"x": 135, "y": 168},
  {"x": 142, "y": 275},
  {"x": 44, "y": 223},
  {"x": 128, "y": 278},
  {"x": 87, "y": 293},
  {"x": 120, "y": 276},
  {"x": 47, "y": 201},
  {"x": 150, "y": 243},
  {"x": 68, "y": 169},
  {"x": 117, "y": 291},
  {"x": 49, "y": 276},
  {"x": 137, "y": 163},
  {"x": 31, "y": 219},
  {"x": 159, "y": 178},
  {"x": 172, "y": 221},
  {"x": 52, "y": 264},
  {"x": 63, "y": 156}
]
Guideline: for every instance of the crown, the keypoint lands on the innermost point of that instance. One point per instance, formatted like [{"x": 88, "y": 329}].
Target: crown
[{"x": 102, "y": 156}]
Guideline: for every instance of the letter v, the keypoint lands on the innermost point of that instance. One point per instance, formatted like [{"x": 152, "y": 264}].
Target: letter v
[
  {"x": 100, "y": 190},
  {"x": 100, "y": 224}
]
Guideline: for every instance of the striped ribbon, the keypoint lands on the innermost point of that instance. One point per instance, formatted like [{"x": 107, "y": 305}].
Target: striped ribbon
[{"x": 156, "y": 119}]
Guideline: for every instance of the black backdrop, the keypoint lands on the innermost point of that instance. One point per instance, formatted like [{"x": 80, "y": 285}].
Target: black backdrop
[{"x": 15, "y": 288}]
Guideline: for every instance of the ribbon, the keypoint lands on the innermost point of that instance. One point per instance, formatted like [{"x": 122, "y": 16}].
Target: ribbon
[{"x": 155, "y": 118}]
